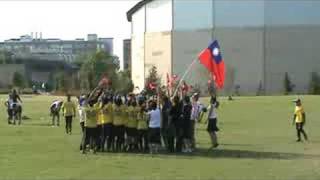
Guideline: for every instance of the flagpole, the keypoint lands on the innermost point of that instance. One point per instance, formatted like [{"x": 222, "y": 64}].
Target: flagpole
[{"x": 183, "y": 76}]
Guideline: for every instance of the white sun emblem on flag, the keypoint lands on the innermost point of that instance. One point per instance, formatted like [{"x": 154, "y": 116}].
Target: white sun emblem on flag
[{"x": 215, "y": 51}]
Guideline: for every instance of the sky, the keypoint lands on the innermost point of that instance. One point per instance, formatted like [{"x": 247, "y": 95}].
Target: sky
[{"x": 67, "y": 19}]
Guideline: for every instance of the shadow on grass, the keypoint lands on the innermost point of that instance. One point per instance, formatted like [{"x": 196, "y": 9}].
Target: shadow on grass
[{"x": 221, "y": 153}]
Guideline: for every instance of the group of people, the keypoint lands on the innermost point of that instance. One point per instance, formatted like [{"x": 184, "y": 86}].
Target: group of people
[{"x": 135, "y": 123}]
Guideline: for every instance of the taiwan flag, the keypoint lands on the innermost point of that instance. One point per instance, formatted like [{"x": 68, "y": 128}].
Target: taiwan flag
[{"x": 212, "y": 59}]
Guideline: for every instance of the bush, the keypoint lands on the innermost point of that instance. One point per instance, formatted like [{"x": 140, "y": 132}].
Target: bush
[
  {"x": 288, "y": 86},
  {"x": 314, "y": 83},
  {"x": 4, "y": 90}
]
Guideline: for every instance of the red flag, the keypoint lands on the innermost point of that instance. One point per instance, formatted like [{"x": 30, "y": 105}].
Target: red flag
[
  {"x": 185, "y": 87},
  {"x": 212, "y": 59},
  {"x": 152, "y": 86}
]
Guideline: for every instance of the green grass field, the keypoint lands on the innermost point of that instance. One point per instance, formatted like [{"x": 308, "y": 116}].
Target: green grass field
[{"x": 257, "y": 142}]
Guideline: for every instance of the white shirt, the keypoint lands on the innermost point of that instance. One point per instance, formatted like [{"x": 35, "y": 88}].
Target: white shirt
[
  {"x": 155, "y": 118},
  {"x": 196, "y": 109},
  {"x": 212, "y": 111}
]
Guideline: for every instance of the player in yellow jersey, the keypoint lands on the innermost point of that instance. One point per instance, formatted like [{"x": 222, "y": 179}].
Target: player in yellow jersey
[
  {"x": 119, "y": 113},
  {"x": 106, "y": 116},
  {"x": 68, "y": 111},
  {"x": 299, "y": 119},
  {"x": 142, "y": 127},
  {"x": 90, "y": 126},
  {"x": 131, "y": 143}
]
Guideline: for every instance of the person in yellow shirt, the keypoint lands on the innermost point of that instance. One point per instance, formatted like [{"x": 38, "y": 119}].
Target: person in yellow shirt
[
  {"x": 119, "y": 115},
  {"x": 142, "y": 127},
  {"x": 132, "y": 126},
  {"x": 90, "y": 126},
  {"x": 106, "y": 118},
  {"x": 299, "y": 119},
  {"x": 69, "y": 111}
]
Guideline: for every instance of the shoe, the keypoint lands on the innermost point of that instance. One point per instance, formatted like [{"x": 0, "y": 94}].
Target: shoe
[
  {"x": 298, "y": 140},
  {"x": 216, "y": 145}
]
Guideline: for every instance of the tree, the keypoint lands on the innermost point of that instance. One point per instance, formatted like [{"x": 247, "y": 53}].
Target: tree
[
  {"x": 153, "y": 78},
  {"x": 97, "y": 65},
  {"x": 124, "y": 84},
  {"x": 288, "y": 86},
  {"x": 314, "y": 87},
  {"x": 18, "y": 80}
]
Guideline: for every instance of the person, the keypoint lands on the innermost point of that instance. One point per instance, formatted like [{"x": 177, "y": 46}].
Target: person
[
  {"x": 69, "y": 111},
  {"x": 176, "y": 121},
  {"x": 166, "y": 105},
  {"x": 15, "y": 96},
  {"x": 100, "y": 128},
  {"x": 8, "y": 104},
  {"x": 55, "y": 112},
  {"x": 195, "y": 115},
  {"x": 82, "y": 115},
  {"x": 131, "y": 125},
  {"x": 119, "y": 111},
  {"x": 299, "y": 119},
  {"x": 90, "y": 126},
  {"x": 142, "y": 127},
  {"x": 186, "y": 125},
  {"x": 107, "y": 119},
  {"x": 154, "y": 127},
  {"x": 212, "y": 121},
  {"x": 16, "y": 107}
]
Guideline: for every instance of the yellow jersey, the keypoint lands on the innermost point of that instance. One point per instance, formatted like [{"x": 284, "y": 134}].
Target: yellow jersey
[
  {"x": 132, "y": 117},
  {"x": 119, "y": 114},
  {"x": 69, "y": 108},
  {"x": 142, "y": 120},
  {"x": 106, "y": 113},
  {"x": 91, "y": 115},
  {"x": 299, "y": 114}
]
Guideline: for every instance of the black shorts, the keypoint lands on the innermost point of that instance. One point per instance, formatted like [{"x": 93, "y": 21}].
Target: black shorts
[
  {"x": 154, "y": 136},
  {"x": 118, "y": 131},
  {"x": 108, "y": 129},
  {"x": 212, "y": 125},
  {"x": 132, "y": 132}
]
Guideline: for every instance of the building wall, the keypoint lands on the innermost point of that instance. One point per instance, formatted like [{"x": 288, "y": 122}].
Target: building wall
[
  {"x": 294, "y": 50},
  {"x": 137, "y": 47},
  {"x": 260, "y": 41},
  {"x": 158, "y": 53},
  {"x": 127, "y": 54}
]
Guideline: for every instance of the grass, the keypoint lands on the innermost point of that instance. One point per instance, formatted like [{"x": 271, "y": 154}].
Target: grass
[{"x": 257, "y": 142}]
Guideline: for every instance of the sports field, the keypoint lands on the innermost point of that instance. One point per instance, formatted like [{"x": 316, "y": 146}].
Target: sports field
[{"x": 257, "y": 142}]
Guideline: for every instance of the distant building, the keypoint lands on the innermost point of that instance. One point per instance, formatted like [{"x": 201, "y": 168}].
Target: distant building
[
  {"x": 28, "y": 47},
  {"x": 44, "y": 56},
  {"x": 260, "y": 41},
  {"x": 127, "y": 54}
]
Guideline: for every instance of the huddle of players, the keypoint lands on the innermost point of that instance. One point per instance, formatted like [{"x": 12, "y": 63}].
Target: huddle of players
[{"x": 112, "y": 123}]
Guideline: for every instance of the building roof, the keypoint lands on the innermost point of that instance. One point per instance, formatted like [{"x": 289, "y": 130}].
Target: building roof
[{"x": 135, "y": 8}]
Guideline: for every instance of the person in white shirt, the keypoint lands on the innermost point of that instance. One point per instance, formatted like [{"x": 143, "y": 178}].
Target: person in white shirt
[
  {"x": 212, "y": 121},
  {"x": 55, "y": 112},
  {"x": 154, "y": 127},
  {"x": 195, "y": 114}
]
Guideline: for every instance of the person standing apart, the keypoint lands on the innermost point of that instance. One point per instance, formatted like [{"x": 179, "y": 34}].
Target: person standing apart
[
  {"x": 212, "y": 121},
  {"x": 299, "y": 118},
  {"x": 69, "y": 111}
]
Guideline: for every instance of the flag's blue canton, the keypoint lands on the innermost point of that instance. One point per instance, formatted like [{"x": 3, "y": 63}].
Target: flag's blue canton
[{"x": 215, "y": 52}]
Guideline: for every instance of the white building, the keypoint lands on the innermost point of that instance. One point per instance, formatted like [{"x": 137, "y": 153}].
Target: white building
[{"x": 261, "y": 40}]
